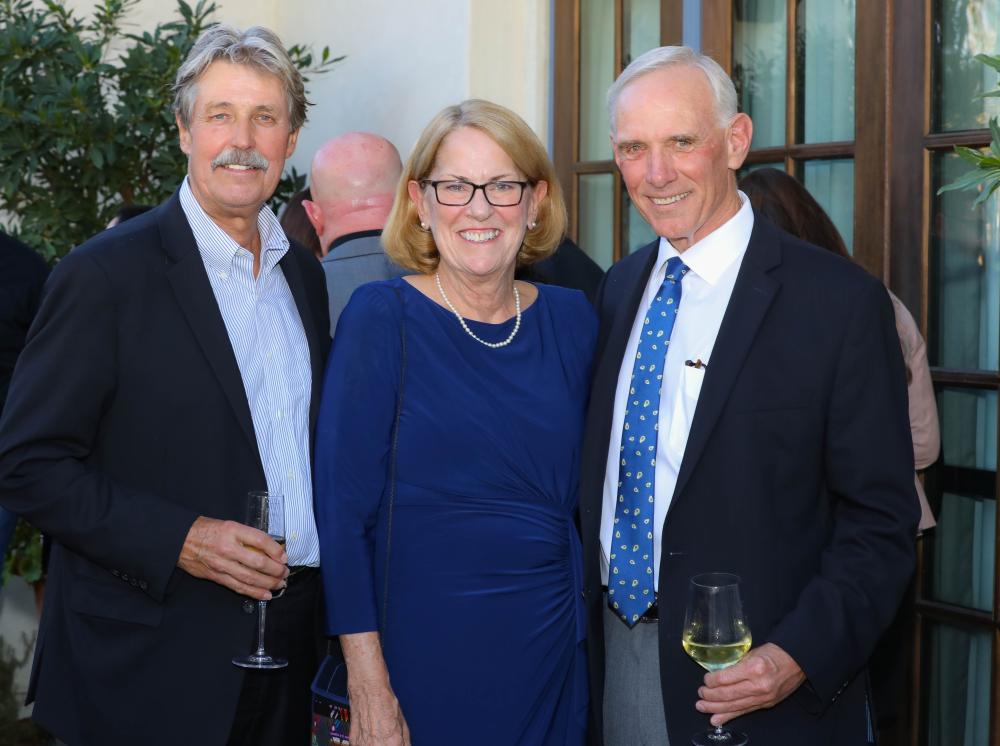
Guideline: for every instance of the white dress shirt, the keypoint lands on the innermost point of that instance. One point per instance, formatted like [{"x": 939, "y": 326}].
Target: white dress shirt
[
  {"x": 272, "y": 353},
  {"x": 713, "y": 264}
]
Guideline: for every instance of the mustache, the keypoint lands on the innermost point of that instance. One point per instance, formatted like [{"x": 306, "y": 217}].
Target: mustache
[{"x": 237, "y": 157}]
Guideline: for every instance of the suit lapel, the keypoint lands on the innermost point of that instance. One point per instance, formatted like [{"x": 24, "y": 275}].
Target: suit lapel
[
  {"x": 632, "y": 288},
  {"x": 752, "y": 296},
  {"x": 196, "y": 300},
  {"x": 624, "y": 287},
  {"x": 292, "y": 270}
]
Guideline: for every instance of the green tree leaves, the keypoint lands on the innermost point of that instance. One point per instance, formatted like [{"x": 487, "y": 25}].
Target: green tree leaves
[{"x": 985, "y": 177}]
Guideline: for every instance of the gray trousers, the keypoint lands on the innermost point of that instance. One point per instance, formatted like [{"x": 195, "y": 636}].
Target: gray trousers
[{"x": 633, "y": 701}]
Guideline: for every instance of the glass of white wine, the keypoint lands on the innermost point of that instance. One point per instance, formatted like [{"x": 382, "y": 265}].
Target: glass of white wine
[
  {"x": 266, "y": 511},
  {"x": 716, "y": 636}
]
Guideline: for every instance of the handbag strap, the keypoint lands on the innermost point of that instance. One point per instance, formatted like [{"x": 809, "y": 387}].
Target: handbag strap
[{"x": 392, "y": 457}]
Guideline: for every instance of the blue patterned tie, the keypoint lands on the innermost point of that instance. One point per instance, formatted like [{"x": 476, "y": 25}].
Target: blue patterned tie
[{"x": 631, "y": 590}]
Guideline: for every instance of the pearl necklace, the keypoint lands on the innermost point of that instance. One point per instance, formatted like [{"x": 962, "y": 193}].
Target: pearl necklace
[{"x": 493, "y": 345}]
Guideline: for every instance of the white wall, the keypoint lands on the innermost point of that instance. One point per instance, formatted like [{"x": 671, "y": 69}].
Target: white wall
[
  {"x": 406, "y": 59},
  {"x": 510, "y": 55}
]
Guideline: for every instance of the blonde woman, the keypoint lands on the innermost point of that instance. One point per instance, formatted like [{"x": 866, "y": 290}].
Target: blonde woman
[{"x": 447, "y": 456}]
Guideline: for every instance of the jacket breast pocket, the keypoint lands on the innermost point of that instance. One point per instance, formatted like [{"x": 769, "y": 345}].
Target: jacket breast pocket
[{"x": 106, "y": 600}]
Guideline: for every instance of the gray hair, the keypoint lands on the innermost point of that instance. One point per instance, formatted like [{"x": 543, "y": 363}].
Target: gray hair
[
  {"x": 722, "y": 86},
  {"x": 257, "y": 46}
]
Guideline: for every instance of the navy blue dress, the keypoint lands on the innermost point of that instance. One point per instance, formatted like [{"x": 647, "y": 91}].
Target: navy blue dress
[{"x": 484, "y": 623}]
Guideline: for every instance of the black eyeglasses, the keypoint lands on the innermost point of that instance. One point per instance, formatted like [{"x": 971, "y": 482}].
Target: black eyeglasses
[{"x": 459, "y": 193}]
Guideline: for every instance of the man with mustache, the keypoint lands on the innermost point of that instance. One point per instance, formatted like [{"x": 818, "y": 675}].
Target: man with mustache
[{"x": 173, "y": 367}]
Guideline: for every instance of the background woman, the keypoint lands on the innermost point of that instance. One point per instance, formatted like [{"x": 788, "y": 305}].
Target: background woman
[{"x": 459, "y": 610}]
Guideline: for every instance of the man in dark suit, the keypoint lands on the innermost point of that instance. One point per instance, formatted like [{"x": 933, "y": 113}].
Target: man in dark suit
[
  {"x": 175, "y": 365},
  {"x": 748, "y": 415}
]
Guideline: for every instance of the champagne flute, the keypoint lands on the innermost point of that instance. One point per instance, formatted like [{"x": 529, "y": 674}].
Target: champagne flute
[
  {"x": 716, "y": 636},
  {"x": 266, "y": 511}
]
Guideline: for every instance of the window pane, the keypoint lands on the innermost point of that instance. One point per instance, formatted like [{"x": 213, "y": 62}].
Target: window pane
[
  {"x": 957, "y": 661},
  {"x": 961, "y": 548},
  {"x": 596, "y": 220},
  {"x": 642, "y": 27},
  {"x": 597, "y": 72},
  {"x": 964, "y": 309},
  {"x": 832, "y": 184},
  {"x": 824, "y": 53},
  {"x": 965, "y": 28},
  {"x": 760, "y": 30},
  {"x": 636, "y": 232}
]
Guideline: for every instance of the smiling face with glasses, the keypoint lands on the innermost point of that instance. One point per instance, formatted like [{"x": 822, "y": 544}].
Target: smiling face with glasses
[{"x": 477, "y": 205}]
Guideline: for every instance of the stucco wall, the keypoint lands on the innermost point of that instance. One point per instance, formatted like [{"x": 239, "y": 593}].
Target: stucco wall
[{"x": 405, "y": 59}]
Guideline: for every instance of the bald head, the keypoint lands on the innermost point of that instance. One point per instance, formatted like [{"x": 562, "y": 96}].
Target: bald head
[{"x": 353, "y": 181}]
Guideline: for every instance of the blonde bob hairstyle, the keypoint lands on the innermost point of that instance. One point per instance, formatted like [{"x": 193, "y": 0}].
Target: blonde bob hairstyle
[{"x": 410, "y": 246}]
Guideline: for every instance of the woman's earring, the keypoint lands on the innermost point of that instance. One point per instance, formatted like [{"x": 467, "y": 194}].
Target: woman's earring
[{"x": 423, "y": 225}]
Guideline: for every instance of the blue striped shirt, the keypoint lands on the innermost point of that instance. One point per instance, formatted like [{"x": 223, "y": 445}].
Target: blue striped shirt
[{"x": 271, "y": 350}]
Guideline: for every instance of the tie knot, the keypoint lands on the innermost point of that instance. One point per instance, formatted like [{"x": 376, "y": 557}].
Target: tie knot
[{"x": 676, "y": 269}]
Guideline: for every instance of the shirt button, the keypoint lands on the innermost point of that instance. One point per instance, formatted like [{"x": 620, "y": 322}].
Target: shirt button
[
  {"x": 291, "y": 474},
  {"x": 223, "y": 276},
  {"x": 295, "y": 535},
  {"x": 278, "y": 414}
]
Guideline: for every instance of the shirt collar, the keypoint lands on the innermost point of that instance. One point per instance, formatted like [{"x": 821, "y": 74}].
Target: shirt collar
[
  {"x": 710, "y": 257},
  {"x": 352, "y": 236},
  {"x": 217, "y": 248}
]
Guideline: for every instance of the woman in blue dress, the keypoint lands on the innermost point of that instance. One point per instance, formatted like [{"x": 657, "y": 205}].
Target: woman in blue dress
[{"x": 447, "y": 454}]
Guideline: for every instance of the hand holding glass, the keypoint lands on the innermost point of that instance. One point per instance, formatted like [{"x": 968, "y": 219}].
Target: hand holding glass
[
  {"x": 716, "y": 636},
  {"x": 265, "y": 511}
]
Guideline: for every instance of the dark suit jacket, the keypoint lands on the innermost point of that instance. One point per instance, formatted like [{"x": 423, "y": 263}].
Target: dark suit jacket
[
  {"x": 127, "y": 418},
  {"x": 568, "y": 267},
  {"x": 797, "y": 476},
  {"x": 22, "y": 274}
]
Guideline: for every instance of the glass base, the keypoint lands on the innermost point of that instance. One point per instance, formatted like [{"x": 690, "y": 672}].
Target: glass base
[
  {"x": 715, "y": 738},
  {"x": 260, "y": 662}
]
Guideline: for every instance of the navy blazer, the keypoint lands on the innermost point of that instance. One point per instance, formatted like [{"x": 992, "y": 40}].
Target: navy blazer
[
  {"x": 797, "y": 476},
  {"x": 126, "y": 420}
]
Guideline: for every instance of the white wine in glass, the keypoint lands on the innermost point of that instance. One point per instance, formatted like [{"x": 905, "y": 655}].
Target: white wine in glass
[
  {"x": 265, "y": 511},
  {"x": 716, "y": 636}
]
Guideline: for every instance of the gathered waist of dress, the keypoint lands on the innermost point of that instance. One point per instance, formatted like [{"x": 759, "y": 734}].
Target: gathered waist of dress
[{"x": 490, "y": 498}]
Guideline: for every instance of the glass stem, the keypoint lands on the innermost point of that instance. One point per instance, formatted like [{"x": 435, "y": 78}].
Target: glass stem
[
  {"x": 720, "y": 735},
  {"x": 260, "y": 628}
]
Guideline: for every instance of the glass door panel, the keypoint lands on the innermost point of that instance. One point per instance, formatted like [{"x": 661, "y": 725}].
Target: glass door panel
[
  {"x": 642, "y": 28},
  {"x": 961, "y": 549},
  {"x": 965, "y": 28},
  {"x": 957, "y": 663},
  {"x": 596, "y": 217},
  {"x": 597, "y": 73},
  {"x": 824, "y": 53},
  {"x": 759, "y": 67},
  {"x": 831, "y": 182},
  {"x": 964, "y": 312}
]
